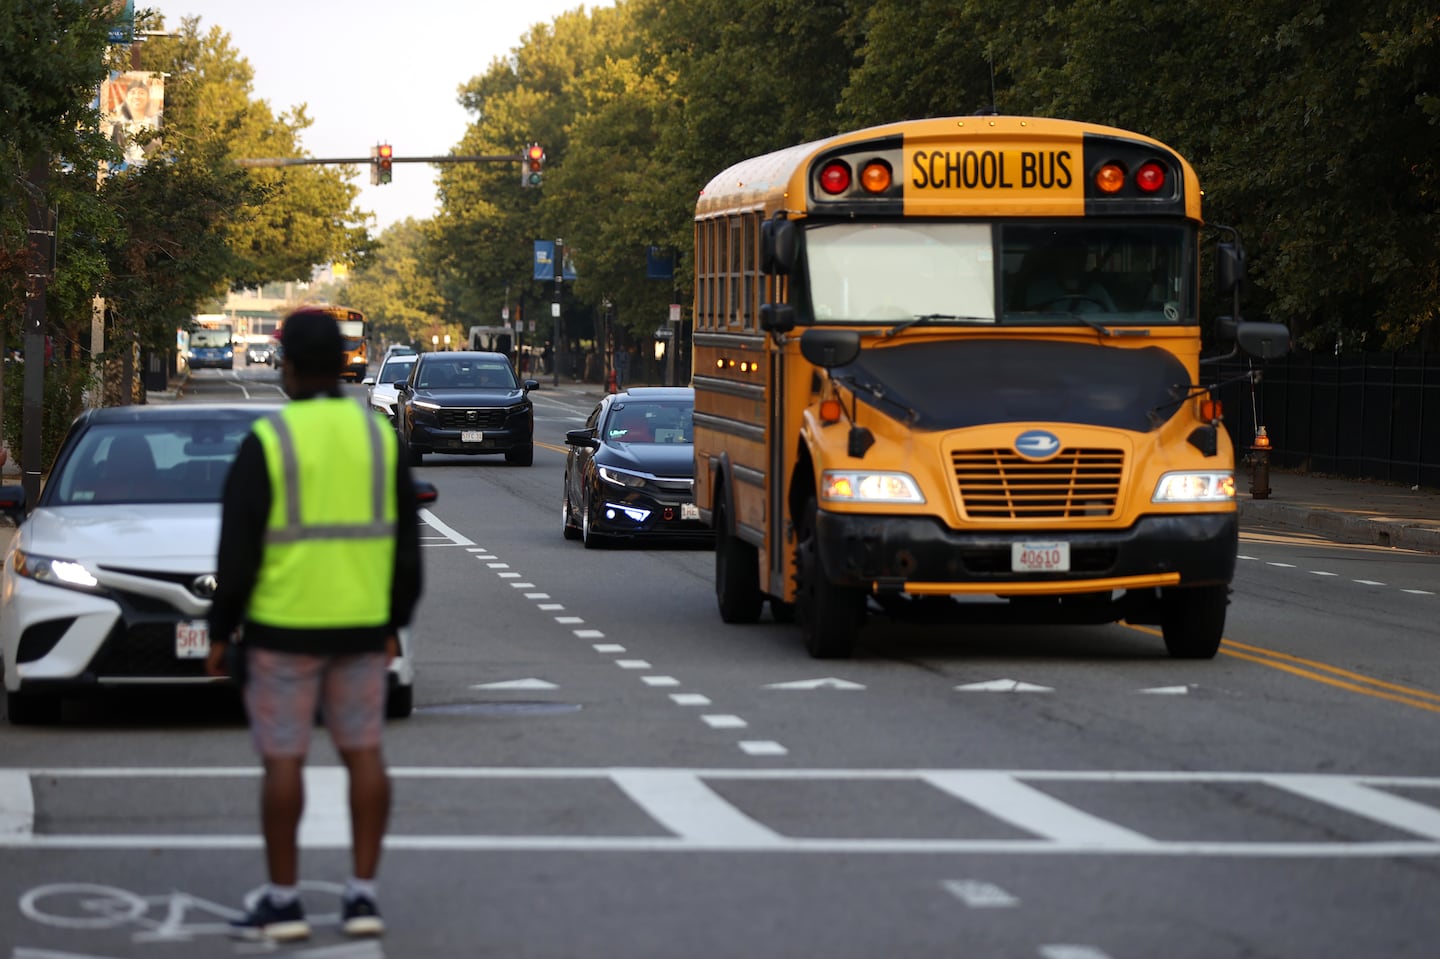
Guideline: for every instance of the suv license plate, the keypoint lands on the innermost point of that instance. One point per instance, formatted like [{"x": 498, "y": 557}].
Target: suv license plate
[
  {"x": 472, "y": 436},
  {"x": 192, "y": 639},
  {"x": 1047, "y": 557},
  {"x": 689, "y": 511}
]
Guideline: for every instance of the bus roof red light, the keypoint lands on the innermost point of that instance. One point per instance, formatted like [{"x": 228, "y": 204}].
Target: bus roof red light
[
  {"x": 835, "y": 178},
  {"x": 875, "y": 178},
  {"x": 1150, "y": 178},
  {"x": 1110, "y": 178}
]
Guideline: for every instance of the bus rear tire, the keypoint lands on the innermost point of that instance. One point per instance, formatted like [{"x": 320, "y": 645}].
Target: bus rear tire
[
  {"x": 1193, "y": 620},
  {"x": 830, "y": 615},
  {"x": 737, "y": 574}
]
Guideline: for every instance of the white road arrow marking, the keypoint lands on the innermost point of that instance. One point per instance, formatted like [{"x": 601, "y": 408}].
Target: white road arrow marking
[
  {"x": 978, "y": 894},
  {"x": 517, "y": 684},
  {"x": 1004, "y": 686},
  {"x": 828, "y": 683},
  {"x": 1168, "y": 690}
]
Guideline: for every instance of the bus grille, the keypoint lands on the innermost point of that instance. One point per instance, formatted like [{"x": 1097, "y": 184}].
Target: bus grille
[{"x": 1001, "y": 484}]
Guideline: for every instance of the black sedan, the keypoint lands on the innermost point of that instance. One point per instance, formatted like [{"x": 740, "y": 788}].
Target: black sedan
[
  {"x": 630, "y": 473},
  {"x": 466, "y": 402}
]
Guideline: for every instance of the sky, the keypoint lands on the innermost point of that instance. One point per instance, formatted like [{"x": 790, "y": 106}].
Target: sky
[{"x": 373, "y": 71}]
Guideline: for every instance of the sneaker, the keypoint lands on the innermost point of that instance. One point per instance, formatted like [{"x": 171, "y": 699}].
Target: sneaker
[
  {"x": 361, "y": 918},
  {"x": 269, "y": 921}
]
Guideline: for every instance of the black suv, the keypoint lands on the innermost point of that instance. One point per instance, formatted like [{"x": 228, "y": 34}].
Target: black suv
[{"x": 466, "y": 402}]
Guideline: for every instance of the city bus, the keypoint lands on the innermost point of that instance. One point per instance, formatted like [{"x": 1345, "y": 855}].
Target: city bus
[
  {"x": 211, "y": 344},
  {"x": 357, "y": 342},
  {"x": 951, "y": 368}
]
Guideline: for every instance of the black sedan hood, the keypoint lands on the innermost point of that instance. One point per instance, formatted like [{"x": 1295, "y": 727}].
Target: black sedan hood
[
  {"x": 955, "y": 384},
  {"x": 467, "y": 398},
  {"x": 661, "y": 459}
]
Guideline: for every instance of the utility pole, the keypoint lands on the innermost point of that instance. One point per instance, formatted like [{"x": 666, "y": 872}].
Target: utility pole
[
  {"x": 558, "y": 351},
  {"x": 41, "y": 227}
]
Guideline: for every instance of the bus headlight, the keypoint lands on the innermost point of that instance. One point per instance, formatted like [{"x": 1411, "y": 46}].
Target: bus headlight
[
  {"x": 1195, "y": 488},
  {"x": 847, "y": 486}
]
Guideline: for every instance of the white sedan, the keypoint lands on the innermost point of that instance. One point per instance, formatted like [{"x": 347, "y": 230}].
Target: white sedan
[
  {"x": 394, "y": 369},
  {"x": 108, "y": 580}
]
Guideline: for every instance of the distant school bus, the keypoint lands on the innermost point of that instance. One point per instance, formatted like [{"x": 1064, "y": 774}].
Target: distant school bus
[
  {"x": 356, "y": 340},
  {"x": 952, "y": 366}
]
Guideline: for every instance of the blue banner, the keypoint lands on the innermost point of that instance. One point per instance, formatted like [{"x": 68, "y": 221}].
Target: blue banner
[
  {"x": 545, "y": 261},
  {"x": 659, "y": 263},
  {"x": 122, "y": 29}
]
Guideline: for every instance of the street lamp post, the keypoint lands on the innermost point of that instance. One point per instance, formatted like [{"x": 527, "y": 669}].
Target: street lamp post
[
  {"x": 447, "y": 341},
  {"x": 434, "y": 342}
]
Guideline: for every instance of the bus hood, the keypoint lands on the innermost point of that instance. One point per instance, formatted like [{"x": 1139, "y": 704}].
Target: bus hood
[{"x": 961, "y": 383}]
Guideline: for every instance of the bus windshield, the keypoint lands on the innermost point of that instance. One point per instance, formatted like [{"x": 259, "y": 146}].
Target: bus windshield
[
  {"x": 1053, "y": 273},
  {"x": 210, "y": 337}
]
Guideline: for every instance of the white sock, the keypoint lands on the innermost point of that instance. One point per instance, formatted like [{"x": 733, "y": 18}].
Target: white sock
[
  {"x": 355, "y": 888},
  {"x": 282, "y": 896}
]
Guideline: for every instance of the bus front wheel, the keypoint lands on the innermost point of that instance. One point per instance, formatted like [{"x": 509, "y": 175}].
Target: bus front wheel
[
  {"x": 737, "y": 574},
  {"x": 830, "y": 615},
  {"x": 1193, "y": 620}
]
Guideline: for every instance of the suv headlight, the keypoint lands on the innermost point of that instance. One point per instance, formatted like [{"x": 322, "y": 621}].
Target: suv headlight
[
  {"x": 850, "y": 486},
  {"x": 1198, "y": 487},
  {"x": 56, "y": 572}
]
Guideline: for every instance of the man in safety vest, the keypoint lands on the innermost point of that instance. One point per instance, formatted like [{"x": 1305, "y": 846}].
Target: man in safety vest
[{"x": 318, "y": 568}]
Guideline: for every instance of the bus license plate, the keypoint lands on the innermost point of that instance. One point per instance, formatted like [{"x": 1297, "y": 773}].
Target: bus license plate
[
  {"x": 689, "y": 511},
  {"x": 472, "y": 436},
  {"x": 1040, "y": 557},
  {"x": 192, "y": 639}
]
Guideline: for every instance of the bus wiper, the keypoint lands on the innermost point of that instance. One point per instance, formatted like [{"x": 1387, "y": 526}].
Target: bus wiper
[
  {"x": 876, "y": 391},
  {"x": 927, "y": 317}
]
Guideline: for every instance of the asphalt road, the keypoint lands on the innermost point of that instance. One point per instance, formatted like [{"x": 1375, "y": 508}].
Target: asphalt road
[{"x": 598, "y": 766}]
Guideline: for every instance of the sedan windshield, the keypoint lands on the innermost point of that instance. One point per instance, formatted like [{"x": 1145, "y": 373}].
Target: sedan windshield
[
  {"x": 396, "y": 370},
  {"x": 169, "y": 462}
]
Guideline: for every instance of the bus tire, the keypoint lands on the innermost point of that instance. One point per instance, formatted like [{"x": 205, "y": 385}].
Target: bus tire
[
  {"x": 829, "y": 615},
  {"x": 1193, "y": 620},
  {"x": 737, "y": 574}
]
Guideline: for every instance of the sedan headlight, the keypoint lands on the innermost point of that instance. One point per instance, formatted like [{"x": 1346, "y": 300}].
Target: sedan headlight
[
  {"x": 845, "y": 486},
  {"x": 621, "y": 477},
  {"x": 1207, "y": 487},
  {"x": 56, "y": 572}
]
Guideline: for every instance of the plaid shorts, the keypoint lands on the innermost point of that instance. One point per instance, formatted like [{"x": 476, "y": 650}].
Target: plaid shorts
[{"x": 284, "y": 690}]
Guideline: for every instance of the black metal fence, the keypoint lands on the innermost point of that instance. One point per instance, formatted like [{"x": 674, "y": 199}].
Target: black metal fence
[{"x": 1362, "y": 415}]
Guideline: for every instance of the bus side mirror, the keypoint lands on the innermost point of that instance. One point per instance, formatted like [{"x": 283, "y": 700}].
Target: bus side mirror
[
  {"x": 1229, "y": 268},
  {"x": 778, "y": 241},
  {"x": 1264, "y": 341},
  {"x": 830, "y": 348},
  {"x": 1225, "y": 327},
  {"x": 777, "y": 317}
]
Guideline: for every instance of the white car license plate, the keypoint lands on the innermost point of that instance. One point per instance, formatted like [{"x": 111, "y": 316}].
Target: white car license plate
[
  {"x": 1048, "y": 557},
  {"x": 192, "y": 639},
  {"x": 689, "y": 511},
  {"x": 472, "y": 436}
]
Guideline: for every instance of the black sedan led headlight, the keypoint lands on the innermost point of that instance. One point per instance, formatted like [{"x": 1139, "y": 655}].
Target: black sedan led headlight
[{"x": 622, "y": 478}]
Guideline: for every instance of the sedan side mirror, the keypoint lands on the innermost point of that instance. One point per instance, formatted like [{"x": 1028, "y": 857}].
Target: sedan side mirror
[
  {"x": 368, "y": 381},
  {"x": 426, "y": 491},
  {"x": 532, "y": 385},
  {"x": 585, "y": 438}
]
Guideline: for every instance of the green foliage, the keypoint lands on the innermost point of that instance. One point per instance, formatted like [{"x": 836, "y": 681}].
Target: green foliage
[
  {"x": 65, "y": 385},
  {"x": 395, "y": 288}
]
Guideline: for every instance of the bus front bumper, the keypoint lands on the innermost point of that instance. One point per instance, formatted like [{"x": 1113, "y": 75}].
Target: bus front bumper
[{"x": 920, "y": 556}]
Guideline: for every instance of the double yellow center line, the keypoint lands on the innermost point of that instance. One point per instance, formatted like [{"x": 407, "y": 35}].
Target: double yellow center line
[{"x": 1333, "y": 676}]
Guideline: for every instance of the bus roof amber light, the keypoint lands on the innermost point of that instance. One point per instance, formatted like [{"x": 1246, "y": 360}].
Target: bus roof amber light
[
  {"x": 875, "y": 178},
  {"x": 1150, "y": 178},
  {"x": 830, "y": 411},
  {"x": 1110, "y": 178},
  {"x": 835, "y": 177}
]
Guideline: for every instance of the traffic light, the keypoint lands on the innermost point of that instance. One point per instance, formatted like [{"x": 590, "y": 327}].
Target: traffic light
[
  {"x": 385, "y": 158},
  {"x": 531, "y": 164}
]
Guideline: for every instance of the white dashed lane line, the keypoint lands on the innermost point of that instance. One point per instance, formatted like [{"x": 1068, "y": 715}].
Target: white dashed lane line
[
  {"x": 1324, "y": 572},
  {"x": 545, "y": 603}
]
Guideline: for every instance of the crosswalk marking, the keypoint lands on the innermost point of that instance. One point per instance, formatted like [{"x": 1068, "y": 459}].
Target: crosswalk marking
[{"x": 691, "y": 814}]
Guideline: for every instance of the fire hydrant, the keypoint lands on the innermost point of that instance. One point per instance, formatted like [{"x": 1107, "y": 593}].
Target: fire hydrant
[
  {"x": 1260, "y": 465},
  {"x": 610, "y": 385}
]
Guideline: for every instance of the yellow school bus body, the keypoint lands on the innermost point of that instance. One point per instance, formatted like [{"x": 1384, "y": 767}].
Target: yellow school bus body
[{"x": 766, "y": 429}]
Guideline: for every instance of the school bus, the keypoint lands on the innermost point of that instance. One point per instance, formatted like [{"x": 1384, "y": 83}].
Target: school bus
[
  {"x": 356, "y": 336},
  {"x": 952, "y": 368}
]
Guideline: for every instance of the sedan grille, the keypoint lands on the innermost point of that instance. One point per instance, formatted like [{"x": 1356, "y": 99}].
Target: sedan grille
[
  {"x": 1001, "y": 484},
  {"x": 472, "y": 419},
  {"x": 144, "y": 650}
]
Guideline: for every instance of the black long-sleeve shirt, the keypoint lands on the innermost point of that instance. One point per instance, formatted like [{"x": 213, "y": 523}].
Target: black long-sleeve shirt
[{"x": 244, "y": 515}]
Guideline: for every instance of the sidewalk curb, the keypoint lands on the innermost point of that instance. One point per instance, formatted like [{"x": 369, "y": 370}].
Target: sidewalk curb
[{"x": 1349, "y": 528}]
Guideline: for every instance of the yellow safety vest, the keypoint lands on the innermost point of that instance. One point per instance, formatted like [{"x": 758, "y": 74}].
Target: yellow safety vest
[{"x": 329, "y": 551}]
